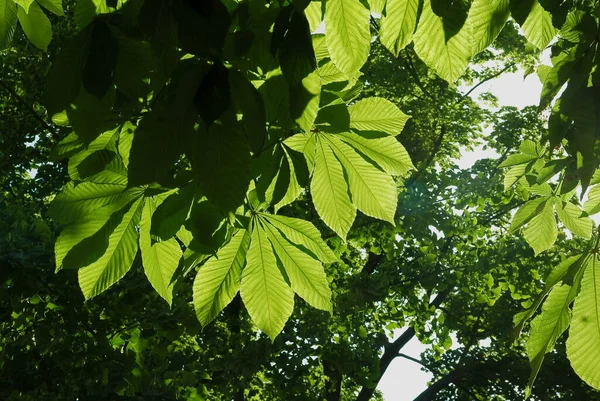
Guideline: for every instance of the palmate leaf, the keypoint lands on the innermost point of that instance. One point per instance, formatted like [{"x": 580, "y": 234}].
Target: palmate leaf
[
  {"x": 398, "y": 25},
  {"x": 302, "y": 233},
  {"x": 541, "y": 232},
  {"x": 118, "y": 257},
  {"x": 547, "y": 327},
  {"x": 8, "y": 22},
  {"x": 306, "y": 274},
  {"x": 526, "y": 212},
  {"x": 305, "y": 144},
  {"x": 218, "y": 280},
  {"x": 36, "y": 25},
  {"x": 592, "y": 205},
  {"x": 347, "y": 33},
  {"x": 330, "y": 192},
  {"x": 583, "y": 344},
  {"x": 160, "y": 260},
  {"x": 377, "y": 114},
  {"x": 267, "y": 297},
  {"x": 373, "y": 191}
]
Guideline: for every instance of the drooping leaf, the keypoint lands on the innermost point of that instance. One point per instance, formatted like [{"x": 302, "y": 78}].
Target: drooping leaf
[
  {"x": 306, "y": 274},
  {"x": 372, "y": 191},
  {"x": 541, "y": 231},
  {"x": 450, "y": 57},
  {"x": 218, "y": 280},
  {"x": 223, "y": 151},
  {"x": 36, "y": 25},
  {"x": 537, "y": 27},
  {"x": 348, "y": 33},
  {"x": 118, "y": 258},
  {"x": 305, "y": 144},
  {"x": 583, "y": 344},
  {"x": 302, "y": 233},
  {"x": 169, "y": 216},
  {"x": 398, "y": 25},
  {"x": 267, "y": 297},
  {"x": 250, "y": 104},
  {"x": 387, "y": 152},
  {"x": 87, "y": 10},
  {"x": 101, "y": 61},
  {"x": 377, "y": 114},
  {"x": 304, "y": 100},
  {"x": 213, "y": 95},
  {"x": 547, "y": 327},
  {"x": 160, "y": 260},
  {"x": 330, "y": 191},
  {"x": 8, "y": 22},
  {"x": 296, "y": 54}
]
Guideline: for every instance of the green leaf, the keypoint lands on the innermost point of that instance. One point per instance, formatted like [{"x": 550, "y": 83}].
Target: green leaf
[
  {"x": 547, "y": 327},
  {"x": 160, "y": 260},
  {"x": 398, "y": 25},
  {"x": 249, "y": 102},
  {"x": 304, "y": 100},
  {"x": 169, "y": 216},
  {"x": 387, "y": 152},
  {"x": 526, "y": 212},
  {"x": 223, "y": 151},
  {"x": 330, "y": 192},
  {"x": 268, "y": 298},
  {"x": 583, "y": 344},
  {"x": 218, "y": 280},
  {"x": 302, "y": 233},
  {"x": 592, "y": 205},
  {"x": 555, "y": 276},
  {"x": 99, "y": 162},
  {"x": 347, "y": 33},
  {"x": 118, "y": 258},
  {"x": 87, "y": 10},
  {"x": 373, "y": 192},
  {"x": 76, "y": 201},
  {"x": 25, "y": 4},
  {"x": 294, "y": 189},
  {"x": 54, "y": 6},
  {"x": 305, "y": 144},
  {"x": 516, "y": 159},
  {"x": 8, "y": 22},
  {"x": 36, "y": 26},
  {"x": 572, "y": 217},
  {"x": 449, "y": 57},
  {"x": 313, "y": 15},
  {"x": 377, "y": 114},
  {"x": 377, "y": 6},
  {"x": 306, "y": 274},
  {"x": 541, "y": 232},
  {"x": 538, "y": 28}
]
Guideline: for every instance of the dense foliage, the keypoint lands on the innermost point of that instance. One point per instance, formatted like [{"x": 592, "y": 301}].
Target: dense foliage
[{"x": 223, "y": 150}]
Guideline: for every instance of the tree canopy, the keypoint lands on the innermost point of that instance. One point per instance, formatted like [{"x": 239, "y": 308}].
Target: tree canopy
[{"x": 259, "y": 200}]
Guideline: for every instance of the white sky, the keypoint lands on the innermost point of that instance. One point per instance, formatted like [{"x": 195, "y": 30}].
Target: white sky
[{"x": 404, "y": 379}]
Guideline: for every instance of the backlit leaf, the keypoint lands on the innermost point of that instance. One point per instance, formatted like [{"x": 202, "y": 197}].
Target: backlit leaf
[{"x": 218, "y": 280}]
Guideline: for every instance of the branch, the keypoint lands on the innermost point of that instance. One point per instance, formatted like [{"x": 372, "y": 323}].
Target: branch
[
  {"x": 413, "y": 72},
  {"x": 508, "y": 66},
  {"x": 29, "y": 109}
]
